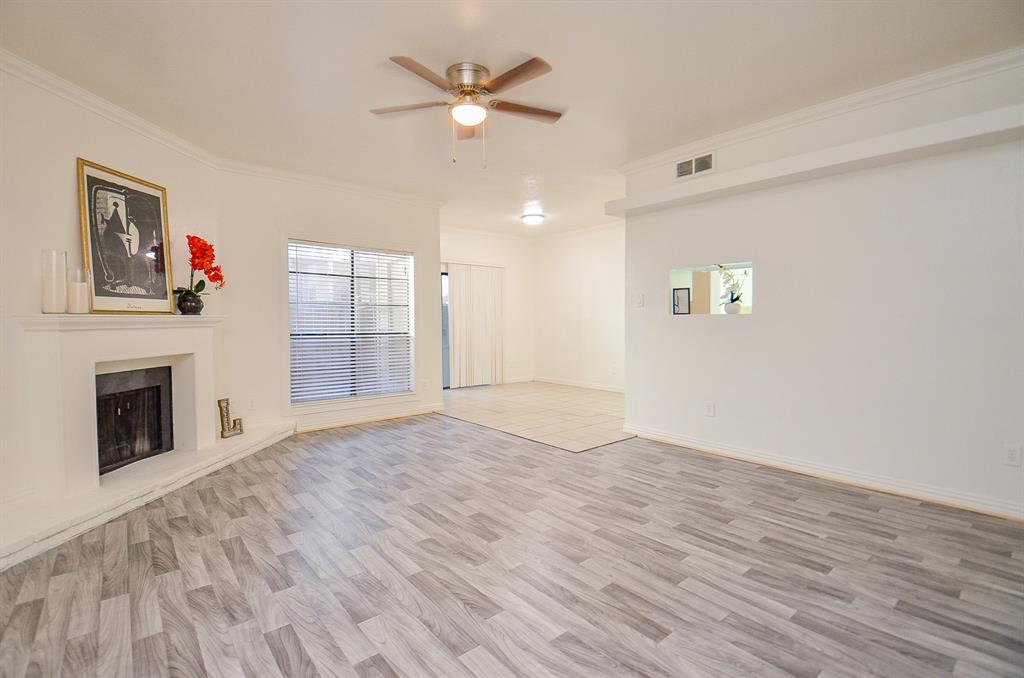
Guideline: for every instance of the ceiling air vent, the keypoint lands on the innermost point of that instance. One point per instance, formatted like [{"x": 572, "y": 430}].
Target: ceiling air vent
[{"x": 687, "y": 168}]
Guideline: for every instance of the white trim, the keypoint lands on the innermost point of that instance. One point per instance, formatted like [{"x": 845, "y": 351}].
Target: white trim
[
  {"x": 477, "y": 231},
  {"x": 351, "y": 403},
  {"x": 918, "y": 84},
  {"x": 25, "y": 70},
  {"x": 538, "y": 234},
  {"x": 872, "y": 481},
  {"x": 608, "y": 224},
  {"x": 64, "y": 528},
  {"x": 580, "y": 384},
  {"x": 262, "y": 172},
  {"x": 516, "y": 380},
  {"x": 446, "y": 262},
  {"x": 67, "y": 322},
  {"x": 977, "y": 129},
  {"x": 342, "y": 422}
]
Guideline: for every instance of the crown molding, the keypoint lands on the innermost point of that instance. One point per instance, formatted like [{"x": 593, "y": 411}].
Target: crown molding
[
  {"x": 538, "y": 234},
  {"x": 23, "y": 69},
  {"x": 893, "y": 91},
  {"x": 18, "y": 67},
  {"x": 262, "y": 172},
  {"x": 607, "y": 224}
]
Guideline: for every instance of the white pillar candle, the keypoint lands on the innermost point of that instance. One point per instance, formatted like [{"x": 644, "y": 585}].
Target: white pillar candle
[
  {"x": 78, "y": 291},
  {"x": 54, "y": 287},
  {"x": 78, "y": 297}
]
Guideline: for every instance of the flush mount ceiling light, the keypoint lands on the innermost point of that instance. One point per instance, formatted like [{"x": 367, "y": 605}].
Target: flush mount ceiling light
[
  {"x": 533, "y": 219},
  {"x": 468, "y": 112}
]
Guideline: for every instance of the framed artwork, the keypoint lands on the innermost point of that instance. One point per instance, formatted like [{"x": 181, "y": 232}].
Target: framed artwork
[
  {"x": 124, "y": 241},
  {"x": 681, "y": 301}
]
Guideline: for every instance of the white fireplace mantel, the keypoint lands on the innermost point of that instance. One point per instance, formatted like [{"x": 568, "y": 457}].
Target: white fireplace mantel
[
  {"x": 69, "y": 322},
  {"x": 85, "y": 345}
]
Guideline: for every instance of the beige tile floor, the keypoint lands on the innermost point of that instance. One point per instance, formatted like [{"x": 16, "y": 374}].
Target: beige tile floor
[{"x": 568, "y": 417}]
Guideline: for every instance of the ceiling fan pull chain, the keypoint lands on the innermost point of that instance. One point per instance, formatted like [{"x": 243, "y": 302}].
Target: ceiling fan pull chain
[
  {"x": 483, "y": 145},
  {"x": 453, "y": 141}
]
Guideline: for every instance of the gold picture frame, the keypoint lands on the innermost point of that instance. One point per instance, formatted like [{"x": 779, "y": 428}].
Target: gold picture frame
[{"x": 125, "y": 241}]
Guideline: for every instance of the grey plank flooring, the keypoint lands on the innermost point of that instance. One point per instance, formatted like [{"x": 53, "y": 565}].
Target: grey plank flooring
[{"x": 432, "y": 547}]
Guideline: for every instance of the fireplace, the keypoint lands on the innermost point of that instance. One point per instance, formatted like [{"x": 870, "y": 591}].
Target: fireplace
[{"x": 134, "y": 418}]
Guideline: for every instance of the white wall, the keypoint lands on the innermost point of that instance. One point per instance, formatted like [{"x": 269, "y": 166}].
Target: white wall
[
  {"x": 514, "y": 254},
  {"x": 248, "y": 213},
  {"x": 885, "y": 347},
  {"x": 580, "y": 321},
  {"x": 258, "y": 216}
]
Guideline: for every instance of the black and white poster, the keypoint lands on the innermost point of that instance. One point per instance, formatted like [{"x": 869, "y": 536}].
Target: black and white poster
[{"x": 124, "y": 241}]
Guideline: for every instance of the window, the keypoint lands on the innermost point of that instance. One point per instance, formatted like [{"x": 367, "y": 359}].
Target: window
[{"x": 351, "y": 322}]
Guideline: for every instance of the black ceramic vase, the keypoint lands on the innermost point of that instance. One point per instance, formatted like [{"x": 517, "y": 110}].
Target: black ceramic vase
[{"x": 190, "y": 303}]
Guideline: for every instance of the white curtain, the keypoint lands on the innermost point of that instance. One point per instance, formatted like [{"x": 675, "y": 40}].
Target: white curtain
[{"x": 474, "y": 324}]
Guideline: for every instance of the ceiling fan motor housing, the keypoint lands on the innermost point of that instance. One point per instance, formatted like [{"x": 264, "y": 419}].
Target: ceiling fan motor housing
[{"x": 467, "y": 76}]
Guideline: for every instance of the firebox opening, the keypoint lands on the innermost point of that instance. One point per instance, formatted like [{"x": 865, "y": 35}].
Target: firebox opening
[{"x": 134, "y": 419}]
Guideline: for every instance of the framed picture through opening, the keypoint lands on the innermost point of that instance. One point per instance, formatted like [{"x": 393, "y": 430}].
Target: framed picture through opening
[{"x": 681, "y": 301}]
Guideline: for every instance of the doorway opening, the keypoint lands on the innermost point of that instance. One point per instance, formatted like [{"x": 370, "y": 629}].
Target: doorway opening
[
  {"x": 446, "y": 356},
  {"x": 472, "y": 300}
]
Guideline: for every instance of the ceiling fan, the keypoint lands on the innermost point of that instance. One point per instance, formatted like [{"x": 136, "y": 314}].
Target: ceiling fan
[{"x": 471, "y": 85}]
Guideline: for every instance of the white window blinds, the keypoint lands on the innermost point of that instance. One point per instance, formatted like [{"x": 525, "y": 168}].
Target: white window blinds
[{"x": 351, "y": 322}]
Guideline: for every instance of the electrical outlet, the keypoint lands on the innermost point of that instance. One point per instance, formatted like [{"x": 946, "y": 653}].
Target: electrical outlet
[
  {"x": 1013, "y": 456},
  {"x": 709, "y": 409},
  {"x": 252, "y": 404}
]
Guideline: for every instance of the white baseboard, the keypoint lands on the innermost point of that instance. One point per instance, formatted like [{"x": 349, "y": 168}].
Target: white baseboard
[
  {"x": 340, "y": 420},
  {"x": 581, "y": 384},
  {"x": 521, "y": 379},
  {"x": 863, "y": 479},
  {"x": 41, "y": 527}
]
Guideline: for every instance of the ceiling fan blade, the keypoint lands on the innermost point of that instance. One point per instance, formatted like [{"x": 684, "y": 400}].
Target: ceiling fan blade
[
  {"x": 462, "y": 133},
  {"x": 541, "y": 114},
  {"x": 528, "y": 70},
  {"x": 413, "y": 66},
  {"x": 408, "y": 107}
]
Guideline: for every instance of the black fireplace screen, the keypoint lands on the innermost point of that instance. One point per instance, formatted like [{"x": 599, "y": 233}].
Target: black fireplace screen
[{"x": 133, "y": 416}]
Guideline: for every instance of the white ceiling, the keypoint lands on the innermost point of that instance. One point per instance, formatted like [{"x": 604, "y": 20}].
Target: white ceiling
[{"x": 288, "y": 85}]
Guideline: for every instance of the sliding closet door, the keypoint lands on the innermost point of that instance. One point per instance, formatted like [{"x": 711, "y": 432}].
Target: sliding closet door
[{"x": 474, "y": 324}]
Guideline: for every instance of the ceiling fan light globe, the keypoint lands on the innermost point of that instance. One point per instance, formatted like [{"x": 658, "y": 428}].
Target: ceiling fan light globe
[
  {"x": 532, "y": 219},
  {"x": 469, "y": 114}
]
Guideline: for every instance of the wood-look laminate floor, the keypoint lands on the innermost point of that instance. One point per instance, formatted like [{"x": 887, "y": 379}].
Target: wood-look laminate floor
[{"x": 430, "y": 546}]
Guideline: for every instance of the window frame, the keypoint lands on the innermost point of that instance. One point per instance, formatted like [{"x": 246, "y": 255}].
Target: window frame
[{"x": 352, "y": 401}]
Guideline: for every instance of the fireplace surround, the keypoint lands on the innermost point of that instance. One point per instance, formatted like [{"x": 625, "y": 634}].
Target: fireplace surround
[{"x": 57, "y": 492}]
